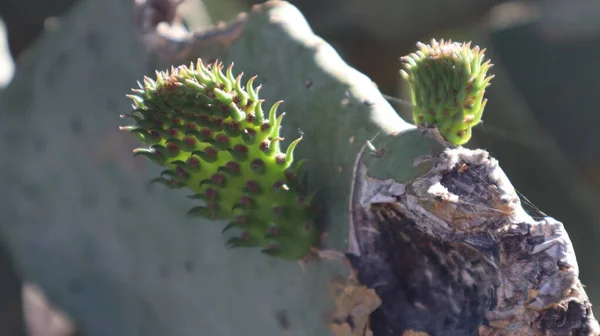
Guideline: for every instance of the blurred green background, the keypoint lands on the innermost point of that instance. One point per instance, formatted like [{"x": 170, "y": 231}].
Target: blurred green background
[{"x": 541, "y": 118}]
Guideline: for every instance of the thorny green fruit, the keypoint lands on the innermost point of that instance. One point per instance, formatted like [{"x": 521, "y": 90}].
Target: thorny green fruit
[
  {"x": 447, "y": 82},
  {"x": 213, "y": 137}
]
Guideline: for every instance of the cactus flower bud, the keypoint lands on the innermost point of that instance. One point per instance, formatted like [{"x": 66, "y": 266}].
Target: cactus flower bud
[{"x": 447, "y": 82}]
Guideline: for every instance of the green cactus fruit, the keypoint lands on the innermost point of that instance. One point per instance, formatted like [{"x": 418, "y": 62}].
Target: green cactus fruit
[
  {"x": 212, "y": 136},
  {"x": 447, "y": 82}
]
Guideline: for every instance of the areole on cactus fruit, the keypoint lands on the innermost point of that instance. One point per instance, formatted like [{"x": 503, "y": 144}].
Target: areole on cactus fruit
[
  {"x": 213, "y": 137},
  {"x": 447, "y": 82}
]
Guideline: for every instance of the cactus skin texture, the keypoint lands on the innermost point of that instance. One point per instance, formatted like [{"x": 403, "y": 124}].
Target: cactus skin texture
[
  {"x": 447, "y": 82},
  {"x": 212, "y": 136}
]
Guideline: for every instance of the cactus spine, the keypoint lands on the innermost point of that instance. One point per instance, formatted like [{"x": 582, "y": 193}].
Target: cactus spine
[
  {"x": 447, "y": 82},
  {"x": 213, "y": 137}
]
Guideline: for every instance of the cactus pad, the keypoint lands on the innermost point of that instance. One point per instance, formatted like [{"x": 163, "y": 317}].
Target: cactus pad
[
  {"x": 213, "y": 137},
  {"x": 447, "y": 82}
]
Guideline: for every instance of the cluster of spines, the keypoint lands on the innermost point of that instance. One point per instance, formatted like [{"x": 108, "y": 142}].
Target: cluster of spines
[
  {"x": 448, "y": 82},
  {"x": 211, "y": 134}
]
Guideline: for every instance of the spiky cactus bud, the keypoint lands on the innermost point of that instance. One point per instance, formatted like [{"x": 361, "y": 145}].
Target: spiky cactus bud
[
  {"x": 213, "y": 137},
  {"x": 447, "y": 82}
]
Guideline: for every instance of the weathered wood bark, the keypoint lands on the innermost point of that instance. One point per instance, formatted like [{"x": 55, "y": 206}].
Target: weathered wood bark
[{"x": 452, "y": 252}]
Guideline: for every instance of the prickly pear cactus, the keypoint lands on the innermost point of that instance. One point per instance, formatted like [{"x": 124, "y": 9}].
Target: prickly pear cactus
[
  {"x": 126, "y": 253},
  {"x": 447, "y": 82},
  {"x": 212, "y": 135}
]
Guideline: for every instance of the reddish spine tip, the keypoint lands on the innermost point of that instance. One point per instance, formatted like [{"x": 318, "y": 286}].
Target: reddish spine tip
[
  {"x": 257, "y": 165},
  {"x": 233, "y": 166},
  {"x": 190, "y": 141},
  {"x": 180, "y": 171},
  {"x": 264, "y": 146},
  {"x": 219, "y": 179},
  {"x": 234, "y": 125},
  {"x": 239, "y": 148},
  {"x": 172, "y": 148},
  {"x": 203, "y": 118},
  {"x": 265, "y": 127},
  {"x": 252, "y": 186},
  {"x": 210, "y": 193},
  {"x": 245, "y": 235},
  {"x": 206, "y": 133},
  {"x": 222, "y": 138},
  {"x": 211, "y": 151},
  {"x": 217, "y": 121},
  {"x": 289, "y": 175},
  {"x": 195, "y": 163},
  {"x": 280, "y": 158},
  {"x": 241, "y": 219},
  {"x": 246, "y": 200},
  {"x": 224, "y": 109}
]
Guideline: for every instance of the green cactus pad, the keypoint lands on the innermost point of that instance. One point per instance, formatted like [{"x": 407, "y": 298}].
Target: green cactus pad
[
  {"x": 212, "y": 136},
  {"x": 447, "y": 82}
]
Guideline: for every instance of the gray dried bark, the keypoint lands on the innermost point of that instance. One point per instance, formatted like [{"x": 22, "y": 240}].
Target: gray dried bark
[{"x": 454, "y": 253}]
